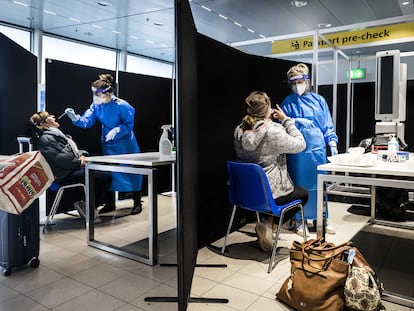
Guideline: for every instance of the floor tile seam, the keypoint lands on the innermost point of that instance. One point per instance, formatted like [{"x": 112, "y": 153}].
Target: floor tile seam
[
  {"x": 27, "y": 297},
  {"x": 127, "y": 303},
  {"x": 92, "y": 286},
  {"x": 61, "y": 277},
  {"x": 66, "y": 275},
  {"x": 72, "y": 298},
  {"x": 242, "y": 289},
  {"x": 228, "y": 304}
]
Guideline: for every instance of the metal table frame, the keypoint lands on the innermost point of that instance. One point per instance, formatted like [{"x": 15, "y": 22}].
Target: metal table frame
[
  {"x": 144, "y": 164},
  {"x": 390, "y": 173}
]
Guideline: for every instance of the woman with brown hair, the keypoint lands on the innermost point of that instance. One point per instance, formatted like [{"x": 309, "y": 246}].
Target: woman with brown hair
[
  {"x": 259, "y": 139},
  {"x": 65, "y": 159}
]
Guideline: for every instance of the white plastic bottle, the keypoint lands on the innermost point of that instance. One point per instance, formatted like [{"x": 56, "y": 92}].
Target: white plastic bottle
[
  {"x": 165, "y": 145},
  {"x": 392, "y": 147}
]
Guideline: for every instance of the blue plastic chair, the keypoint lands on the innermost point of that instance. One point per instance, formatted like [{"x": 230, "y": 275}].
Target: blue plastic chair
[
  {"x": 59, "y": 189},
  {"x": 249, "y": 189}
]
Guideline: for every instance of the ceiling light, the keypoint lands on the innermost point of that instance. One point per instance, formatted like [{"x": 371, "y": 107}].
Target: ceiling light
[
  {"x": 49, "y": 12},
  {"x": 158, "y": 23},
  {"x": 104, "y": 3},
  {"x": 206, "y": 8},
  {"x": 298, "y": 3},
  {"x": 324, "y": 25},
  {"x": 405, "y": 3},
  {"x": 74, "y": 19},
  {"x": 20, "y": 3}
]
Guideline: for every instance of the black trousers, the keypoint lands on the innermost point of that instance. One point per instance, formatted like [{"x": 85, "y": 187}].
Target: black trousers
[
  {"x": 102, "y": 182},
  {"x": 299, "y": 193}
]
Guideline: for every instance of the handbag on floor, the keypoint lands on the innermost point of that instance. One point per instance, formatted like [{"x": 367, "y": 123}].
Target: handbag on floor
[
  {"x": 362, "y": 289},
  {"x": 317, "y": 278}
]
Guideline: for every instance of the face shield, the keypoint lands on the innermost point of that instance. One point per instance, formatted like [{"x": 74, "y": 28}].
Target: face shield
[
  {"x": 299, "y": 83},
  {"x": 98, "y": 94}
]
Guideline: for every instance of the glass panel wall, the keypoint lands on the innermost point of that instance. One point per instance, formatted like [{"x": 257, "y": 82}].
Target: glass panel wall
[{"x": 21, "y": 37}]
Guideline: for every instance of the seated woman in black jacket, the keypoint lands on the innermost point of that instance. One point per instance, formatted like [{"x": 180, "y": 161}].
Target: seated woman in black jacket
[{"x": 65, "y": 159}]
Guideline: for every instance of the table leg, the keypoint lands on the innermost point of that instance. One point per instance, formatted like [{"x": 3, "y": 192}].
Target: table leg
[
  {"x": 321, "y": 207},
  {"x": 90, "y": 203},
  {"x": 153, "y": 217},
  {"x": 373, "y": 207}
]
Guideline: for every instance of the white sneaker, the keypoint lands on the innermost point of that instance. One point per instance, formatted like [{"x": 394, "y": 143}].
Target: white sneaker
[
  {"x": 329, "y": 230},
  {"x": 299, "y": 229},
  {"x": 264, "y": 235}
]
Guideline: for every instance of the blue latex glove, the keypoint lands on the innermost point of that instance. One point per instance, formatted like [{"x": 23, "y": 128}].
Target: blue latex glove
[
  {"x": 71, "y": 114},
  {"x": 333, "y": 147},
  {"x": 112, "y": 133}
]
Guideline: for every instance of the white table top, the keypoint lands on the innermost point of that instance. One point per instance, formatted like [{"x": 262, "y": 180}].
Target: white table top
[
  {"x": 380, "y": 167},
  {"x": 141, "y": 159}
]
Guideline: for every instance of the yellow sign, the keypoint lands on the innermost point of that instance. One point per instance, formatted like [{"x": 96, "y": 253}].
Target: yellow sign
[{"x": 352, "y": 37}]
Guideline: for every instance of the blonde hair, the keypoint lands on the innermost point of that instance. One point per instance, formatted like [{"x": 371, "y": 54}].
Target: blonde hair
[
  {"x": 301, "y": 72},
  {"x": 39, "y": 120},
  {"x": 298, "y": 70},
  {"x": 257, "y": 105}
]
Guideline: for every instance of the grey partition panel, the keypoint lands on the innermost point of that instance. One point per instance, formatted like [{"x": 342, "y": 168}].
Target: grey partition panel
[
  {"x": 151, "y": 98},
  {"x": 69, "y": 85},
  {"x": 18, "y": 92},
  {"x": 224, "y": 81}
]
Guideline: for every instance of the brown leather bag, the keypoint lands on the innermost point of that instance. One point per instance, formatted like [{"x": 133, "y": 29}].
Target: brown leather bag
[{"x": 318, "y": 275}]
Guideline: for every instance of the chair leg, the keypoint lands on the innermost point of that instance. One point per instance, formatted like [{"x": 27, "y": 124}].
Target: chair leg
[
  {"x": 274, "y": 248},
  {"x": 53, "y": 210},
  {"x": 223, "y": 248},
  {"x": 258, "y": 216}
]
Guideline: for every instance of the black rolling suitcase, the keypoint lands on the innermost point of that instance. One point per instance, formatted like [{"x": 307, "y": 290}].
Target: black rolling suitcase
[{"x": 19, "y": 239}]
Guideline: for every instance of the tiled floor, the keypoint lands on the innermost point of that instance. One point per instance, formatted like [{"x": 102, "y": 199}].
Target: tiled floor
[{"x": 74, "y": 276}]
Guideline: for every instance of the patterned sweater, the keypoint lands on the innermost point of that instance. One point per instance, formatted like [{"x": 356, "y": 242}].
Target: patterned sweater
[{"x": 267, "y": 144}]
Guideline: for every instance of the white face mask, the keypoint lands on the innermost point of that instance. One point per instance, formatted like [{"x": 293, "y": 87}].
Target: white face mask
[
  {"x": 299, "y": 88},
  {"x": 98, "y": 99}
]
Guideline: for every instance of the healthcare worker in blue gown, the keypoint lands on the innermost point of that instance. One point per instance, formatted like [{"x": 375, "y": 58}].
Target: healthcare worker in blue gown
[
  {"x": 313, "y": 118},
  {"x": 117, "y": 119}
]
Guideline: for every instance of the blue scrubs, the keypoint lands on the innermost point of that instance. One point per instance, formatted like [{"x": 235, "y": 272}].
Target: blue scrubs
[
  {"x": 313, "y": 119},
  {"x": 115, "y": 113}
]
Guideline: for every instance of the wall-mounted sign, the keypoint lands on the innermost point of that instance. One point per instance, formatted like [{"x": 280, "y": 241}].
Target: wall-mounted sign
[
  {"x": 352, "y": 37},
  {"x": 358, "y": 73}
]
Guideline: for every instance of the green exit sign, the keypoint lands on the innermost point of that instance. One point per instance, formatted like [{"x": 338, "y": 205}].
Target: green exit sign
[{"x": 358, "y": 73}]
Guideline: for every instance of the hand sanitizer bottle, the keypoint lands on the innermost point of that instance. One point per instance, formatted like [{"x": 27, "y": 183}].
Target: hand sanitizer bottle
[
  {"x": 165, "y": 145},
  {"x": 392, "y": 147}
]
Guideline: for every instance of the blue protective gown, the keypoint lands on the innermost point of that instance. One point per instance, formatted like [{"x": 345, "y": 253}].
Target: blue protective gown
[
  {"x": 313, "y": 119},
  {"x": 115, "y": 113}
]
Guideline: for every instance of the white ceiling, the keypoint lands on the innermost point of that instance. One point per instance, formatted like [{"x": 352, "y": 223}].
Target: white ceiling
[{"x": 146, "y": 27}]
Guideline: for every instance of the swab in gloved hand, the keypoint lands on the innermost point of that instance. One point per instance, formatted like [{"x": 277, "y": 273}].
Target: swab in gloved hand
[{"x": 71, "y": 114}]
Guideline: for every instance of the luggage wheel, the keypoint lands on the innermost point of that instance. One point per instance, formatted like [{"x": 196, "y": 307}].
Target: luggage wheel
[{"x": 35, "y": 263}]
